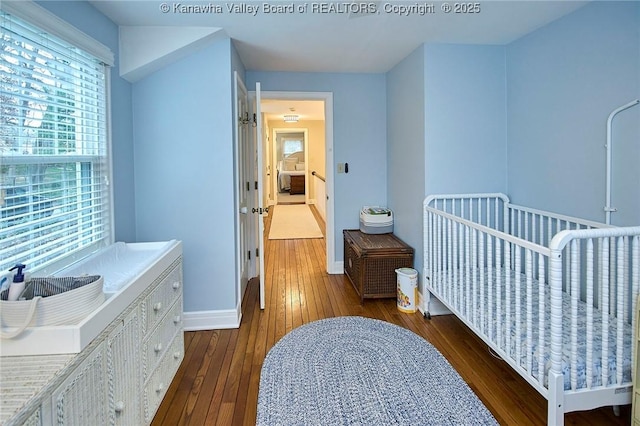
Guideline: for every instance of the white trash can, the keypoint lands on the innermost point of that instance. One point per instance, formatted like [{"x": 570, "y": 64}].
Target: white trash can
[{"x": 407, "y": 289}]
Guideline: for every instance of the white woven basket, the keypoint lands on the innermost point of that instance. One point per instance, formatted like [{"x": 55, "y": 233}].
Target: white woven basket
[{"x": 66, "y": 308}]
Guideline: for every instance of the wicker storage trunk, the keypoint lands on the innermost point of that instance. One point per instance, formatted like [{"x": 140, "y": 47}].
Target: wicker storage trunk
[{"x": 371, "y": 260}]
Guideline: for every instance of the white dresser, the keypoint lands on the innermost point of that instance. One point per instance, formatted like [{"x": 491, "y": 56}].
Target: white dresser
[{"x": 119, "y": 378}]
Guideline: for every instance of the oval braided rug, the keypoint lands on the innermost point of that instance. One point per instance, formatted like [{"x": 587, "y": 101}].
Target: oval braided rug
[{"x": 362, "y": 371}]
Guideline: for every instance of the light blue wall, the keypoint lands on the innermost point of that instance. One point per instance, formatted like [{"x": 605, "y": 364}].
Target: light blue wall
[
  {"x": 184, "y": 170},
  {"x": 89, "y": 20},
  {"x": 406, "y": 150},
  {"x": 359, "y": 137},
  {"x": 446, "y": 124},
  {"x": 564, "y": 80},
  {"x": 465, "y": 119}
]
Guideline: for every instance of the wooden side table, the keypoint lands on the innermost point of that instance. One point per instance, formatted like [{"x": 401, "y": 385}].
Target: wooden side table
[
  {"x": 371, "y": 260},
  {"x": 297, "y": 184}
]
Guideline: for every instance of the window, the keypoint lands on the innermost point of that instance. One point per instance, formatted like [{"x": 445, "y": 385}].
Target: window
[
  {"x": 54, "y": 164},
  {"x": 292, "y": 145}
]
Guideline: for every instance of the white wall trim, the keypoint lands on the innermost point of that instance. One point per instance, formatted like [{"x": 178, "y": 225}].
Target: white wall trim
[
  {"x": 336, "y": 267},
  {"x": 212, "y": 320}
]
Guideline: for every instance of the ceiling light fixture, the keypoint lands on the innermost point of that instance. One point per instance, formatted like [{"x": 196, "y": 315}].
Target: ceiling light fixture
[{"x": 290, "y": 118}]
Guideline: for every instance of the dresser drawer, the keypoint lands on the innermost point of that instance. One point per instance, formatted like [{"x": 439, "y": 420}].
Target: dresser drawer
[
  {"x": 158, "y": 302},
  {"x": 155, "y": 346},
  {"x": 156, "y": 387}
]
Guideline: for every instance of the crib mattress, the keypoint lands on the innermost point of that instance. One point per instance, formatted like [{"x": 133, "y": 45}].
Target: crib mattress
[{"x": 519, "y": 328}]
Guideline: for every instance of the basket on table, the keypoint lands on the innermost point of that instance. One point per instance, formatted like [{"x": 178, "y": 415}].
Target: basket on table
[{"x": 51, "y": 301}]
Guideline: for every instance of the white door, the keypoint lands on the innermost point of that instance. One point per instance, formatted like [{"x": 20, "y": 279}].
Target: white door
[
  {"x": 261, "y": 208},
  {"x": 242, "y": 147}
]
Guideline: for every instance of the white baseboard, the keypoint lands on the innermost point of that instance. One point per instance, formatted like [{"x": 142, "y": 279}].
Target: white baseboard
[
  {"x": 435, "y": 306},
  {"x": 337, "y": 267},
  {"x": 212, "y": 320}
]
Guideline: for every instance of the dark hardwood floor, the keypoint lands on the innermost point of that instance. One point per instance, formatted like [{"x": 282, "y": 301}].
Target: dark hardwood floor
[{"x": 218, "y": 381}]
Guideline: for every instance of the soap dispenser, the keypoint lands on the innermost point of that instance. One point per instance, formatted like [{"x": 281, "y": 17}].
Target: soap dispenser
[{"x": 17, "y": 286}]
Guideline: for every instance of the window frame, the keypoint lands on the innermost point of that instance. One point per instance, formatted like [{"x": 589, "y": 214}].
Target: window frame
[{"x": 51, "y": 24}]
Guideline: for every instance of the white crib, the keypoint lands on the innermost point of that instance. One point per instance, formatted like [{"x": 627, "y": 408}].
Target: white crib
[{"x": 553, "y": 295}]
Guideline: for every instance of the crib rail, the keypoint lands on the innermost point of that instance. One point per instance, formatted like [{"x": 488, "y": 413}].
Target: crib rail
[
  {"x": 539, "y": 226},
  {"x": 489, "y": 209},
  {"x": 558, "y": 291}
]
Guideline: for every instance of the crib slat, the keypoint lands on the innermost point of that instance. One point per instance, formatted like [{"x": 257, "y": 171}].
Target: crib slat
[
  {"x": 439, "y": 250},
  {"x": 605, "y": 308},
  {"x": 488, "y": 213},
  {"x": 533, "y": 219},
  {"x": 575, "y": 283},
  {"x": 481, "y": 292},
  {"x": 431, "y": 254},
  {"x": 621, "y": 283},
  {"x": 449, "y": 258},
  {"x": 467, "y": 271},
  {"x": 541, "y": 318},
  {"x": 490, "y": 281},
  {"x": 499, "y": 318},
  {"x": 612, "y": 277},
  {"x": 518, "y": 287},
  {"x": 590, "y": 285},
  {"x": 456, "y": 267},
  {"x": 474, "y": 275},
  {"x": 543, "y": 241},
  {"x": 635, "y": 278},
  {"x": 507, "y": 295},
  {"x": 529, "y": 311},
  {"x": 626, "y": 287}
]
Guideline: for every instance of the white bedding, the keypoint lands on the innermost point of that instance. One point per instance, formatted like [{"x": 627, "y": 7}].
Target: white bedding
[{"x": 581, "y": 369}]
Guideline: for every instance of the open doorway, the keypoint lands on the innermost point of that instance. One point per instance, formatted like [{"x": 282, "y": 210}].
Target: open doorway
[
  {"x": 294, "y": 150},
  {"x": 308, "y": 125}
]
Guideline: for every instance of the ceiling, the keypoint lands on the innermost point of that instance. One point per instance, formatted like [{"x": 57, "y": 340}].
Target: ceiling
[
  {"x": 305, "y": 36},
  {"x": 342, "y": 41},
  {"x": 305, "y": 110}
]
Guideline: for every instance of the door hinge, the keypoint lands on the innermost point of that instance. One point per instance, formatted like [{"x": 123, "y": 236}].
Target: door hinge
[{"x": 249, "y": 254}]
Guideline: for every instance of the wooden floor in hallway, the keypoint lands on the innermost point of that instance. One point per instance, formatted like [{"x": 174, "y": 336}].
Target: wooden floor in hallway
[{"x": 218, "y": 381}]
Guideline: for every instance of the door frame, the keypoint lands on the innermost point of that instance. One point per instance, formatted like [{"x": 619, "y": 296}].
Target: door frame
[
  {"x": 332, "y": 267},
  {"x": 244, "y": 267}
]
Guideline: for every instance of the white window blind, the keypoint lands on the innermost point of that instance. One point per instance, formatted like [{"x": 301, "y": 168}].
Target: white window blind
[{"x": 54, "y": 195}]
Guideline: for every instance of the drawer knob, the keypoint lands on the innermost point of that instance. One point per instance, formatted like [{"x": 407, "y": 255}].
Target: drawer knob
[
  {"x": 119, "y": 406},
  {"x": 157, "y": 347},
  {"x": 160, "y": 388},
  {"x": 157, "y": 306},
  {"x": 176, "y": 319},
  {"x": 176, "y": 355},
  {"x": 176, "y": 285}
]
